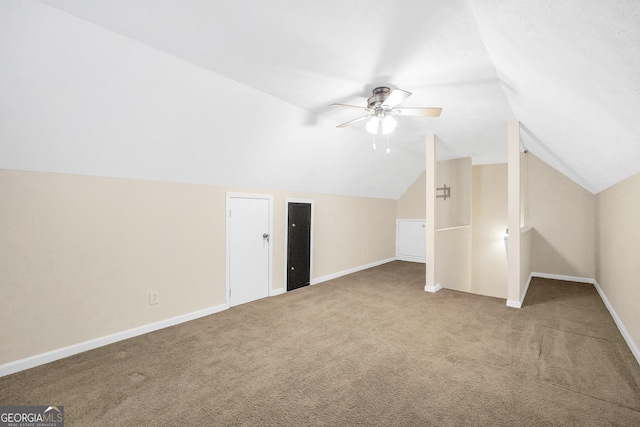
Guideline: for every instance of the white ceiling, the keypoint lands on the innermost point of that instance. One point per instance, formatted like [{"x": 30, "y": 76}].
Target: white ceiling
[
  {"x": 230, "y": 92},
  {"x": 571, "y": 73}
]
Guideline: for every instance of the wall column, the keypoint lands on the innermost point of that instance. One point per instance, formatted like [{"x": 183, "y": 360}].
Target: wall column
[
  {"x": 430, "y": 177},
  {"x": 513, "y": 174}
]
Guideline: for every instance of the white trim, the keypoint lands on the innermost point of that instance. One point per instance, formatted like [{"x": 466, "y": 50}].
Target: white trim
[
  {"x": 452, "y": 228},
  {"x": 350, "y": 271},
  {"x": 625, "y": 334},
  {"x": 433, "y": 289},
  {"x": 564, "y": 278},
  {"x": 61, "y": 353},
  {"x": 518, "y": 304},
  {"x": 286, "y": 236},
  {"x": 623, "y": 330},
  {"x": 514, "y": 304},
  {"x": 410, "y": 258},
  {"x": 276, "y": 292},
  {"x": 228, "y": 196}
]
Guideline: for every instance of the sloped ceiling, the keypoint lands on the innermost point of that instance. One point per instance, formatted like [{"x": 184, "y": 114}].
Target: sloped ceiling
[
  {"x": 237, "y": 92},
  {"x": 571, "y": 74}
]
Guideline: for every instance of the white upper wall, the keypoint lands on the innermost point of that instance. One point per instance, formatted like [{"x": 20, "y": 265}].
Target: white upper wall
[
  {"x": 79, "y": 99},
  {"x": 237, "y": 92}
]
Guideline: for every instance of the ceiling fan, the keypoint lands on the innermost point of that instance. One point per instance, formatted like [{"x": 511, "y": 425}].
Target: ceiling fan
[{"x": 381, "y": 106}]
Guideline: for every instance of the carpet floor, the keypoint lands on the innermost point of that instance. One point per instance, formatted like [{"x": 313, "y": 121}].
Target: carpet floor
[{"x": 371, "y": 348}]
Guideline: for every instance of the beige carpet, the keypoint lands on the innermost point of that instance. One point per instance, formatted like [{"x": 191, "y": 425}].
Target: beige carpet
[{"x": 371, "y": 348}]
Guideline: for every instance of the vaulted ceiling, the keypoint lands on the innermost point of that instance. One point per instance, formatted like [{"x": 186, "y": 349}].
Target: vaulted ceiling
[{"x": 236, "y": 92}]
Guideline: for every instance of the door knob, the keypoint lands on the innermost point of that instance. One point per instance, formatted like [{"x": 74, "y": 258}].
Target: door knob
[{"x": 266, "y": 236}]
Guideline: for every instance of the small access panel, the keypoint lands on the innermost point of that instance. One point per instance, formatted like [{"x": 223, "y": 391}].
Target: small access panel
[{"x": 298, "y": 245}]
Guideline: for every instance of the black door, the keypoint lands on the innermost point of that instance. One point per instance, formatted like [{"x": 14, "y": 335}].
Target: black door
[{"x": 298, "y": 245}]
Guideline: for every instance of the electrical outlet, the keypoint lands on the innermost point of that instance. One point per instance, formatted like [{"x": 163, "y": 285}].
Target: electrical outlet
[{"x": 153, "y": 298}]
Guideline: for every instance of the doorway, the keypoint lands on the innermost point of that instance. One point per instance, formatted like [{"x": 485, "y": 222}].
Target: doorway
[
  {"x": 248, "y": 241},
  {"x": 299, "y": 243}
]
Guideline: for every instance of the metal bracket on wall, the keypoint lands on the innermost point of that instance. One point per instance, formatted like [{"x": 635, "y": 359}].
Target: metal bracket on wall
[{"x": 446, "y": 192}]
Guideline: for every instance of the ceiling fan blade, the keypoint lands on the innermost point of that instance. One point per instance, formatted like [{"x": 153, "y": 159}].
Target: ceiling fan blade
[
  {"x": 425, "y": 112},
  {"x": 350, "y": 122},
  {"x": 396, "y": 97},
  {"x": 348, "y": 106}
]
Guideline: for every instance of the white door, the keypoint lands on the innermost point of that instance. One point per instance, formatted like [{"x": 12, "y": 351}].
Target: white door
[{"x": 248, "y": 254}]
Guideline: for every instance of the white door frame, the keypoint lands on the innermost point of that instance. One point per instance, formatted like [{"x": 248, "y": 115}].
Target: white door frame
[
  {"x": 286, "y": 237},
  {"x": 229, "y": 196}
]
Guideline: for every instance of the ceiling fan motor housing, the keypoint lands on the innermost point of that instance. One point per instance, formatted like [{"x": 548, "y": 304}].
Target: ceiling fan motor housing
[{"x": 379, "y": 95}]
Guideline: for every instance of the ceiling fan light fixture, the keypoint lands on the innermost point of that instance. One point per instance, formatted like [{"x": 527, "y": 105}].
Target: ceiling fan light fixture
[
  {"x": 373, "y": 124},
  {"x": 388, "y": 125}
]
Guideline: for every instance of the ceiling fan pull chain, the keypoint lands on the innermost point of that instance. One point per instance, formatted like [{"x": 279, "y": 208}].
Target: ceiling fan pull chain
[
  {"x": 388, "y": 148},
  {"x": 373, "y": 138}
]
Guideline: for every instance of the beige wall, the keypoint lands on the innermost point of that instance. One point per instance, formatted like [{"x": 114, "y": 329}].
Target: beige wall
[
  {"x": 453, "y": 219},
  {"x": 79, "y": 255},
  {"x": 526, "y": 236},
  {"x": 412, "y": 204},
  {"x": 350, "y": 232},
  {"x": 618, "y": 251},
  {"x": 524, "y": 187},
  {"x": 489, "y": 220},
  {"x": 453, "y": 212},
  {"x": 562, "y": 215},
  {"x": 456, "y": 210},
  {"x": 453, "y": 258}
]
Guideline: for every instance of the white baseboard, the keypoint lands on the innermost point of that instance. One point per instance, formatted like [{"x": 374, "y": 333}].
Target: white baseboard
[
  {"x": 625, "y": 334},
  {"x": 518, "y": 304},
  {"x": 278, "y": 291},
  {"x": 410, "y": 258},
  {"x": 349, "y": 271},
  {"x": 563, "y": 278},
  {"x": 514, "y": 304},
  {"x": 61, "y": 353},
  {"x": 433, "y": 289},
  {"x": 623, "y": 330}
]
